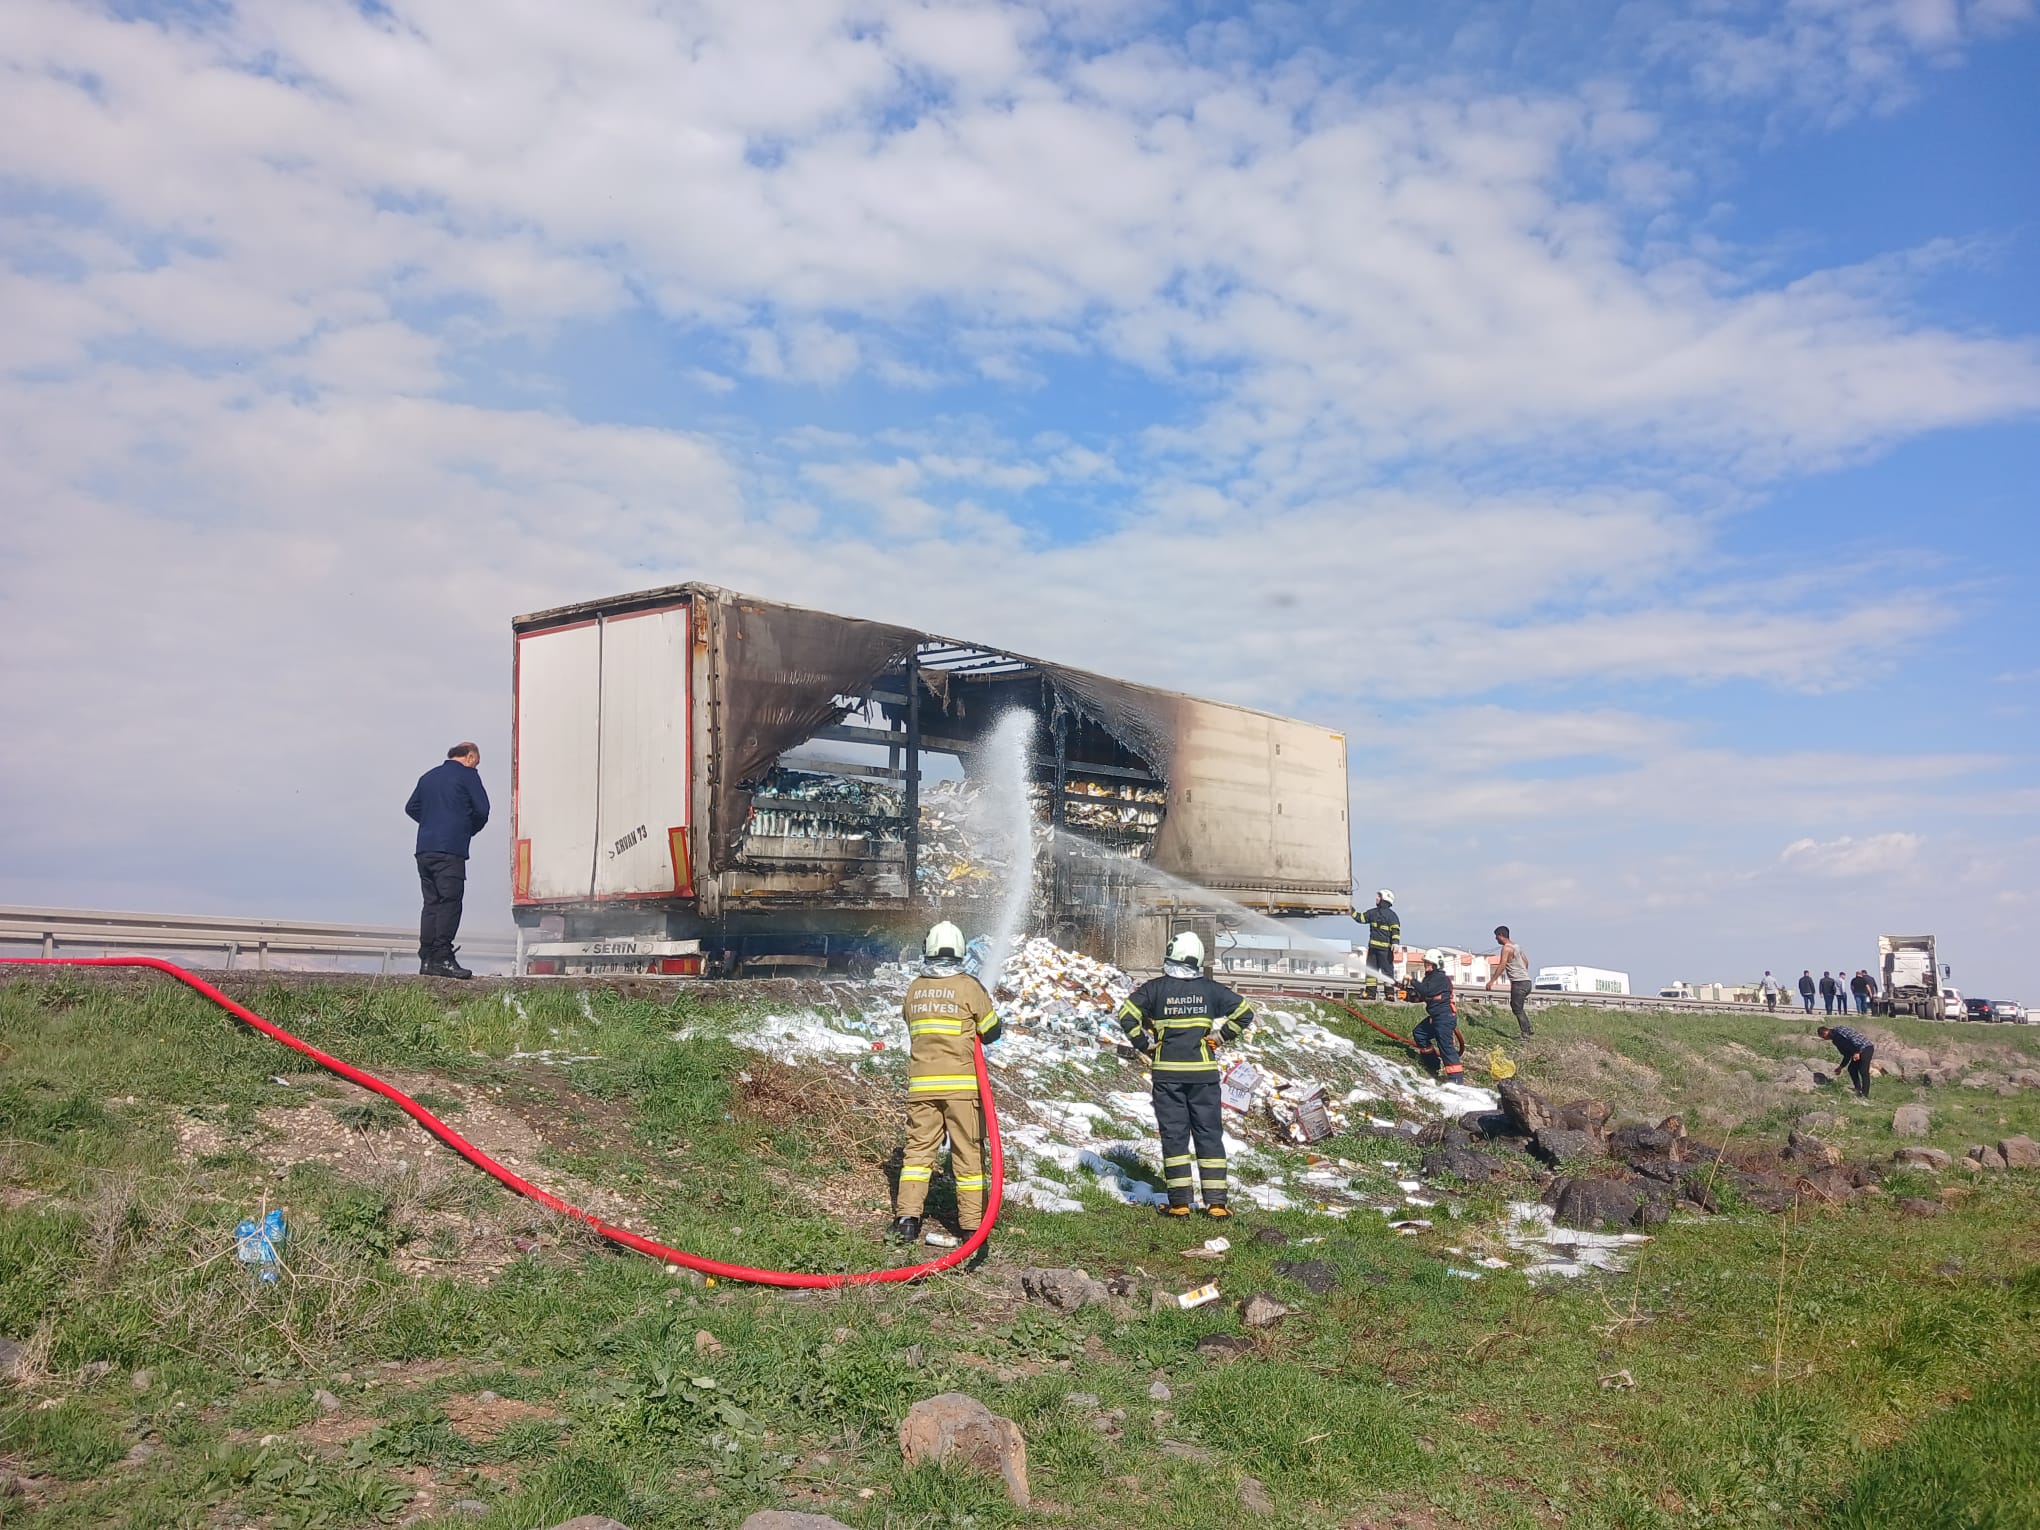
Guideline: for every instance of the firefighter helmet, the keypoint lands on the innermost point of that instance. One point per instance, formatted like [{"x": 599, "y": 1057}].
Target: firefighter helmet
[
  {"x": 1435, "y": 957},
  {"x": 1184, "y": 946},
  {"x": 945, "y": 941},
  {"x": 1384, "y": 896}
]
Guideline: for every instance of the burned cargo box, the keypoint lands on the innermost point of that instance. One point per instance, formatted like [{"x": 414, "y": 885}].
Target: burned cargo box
[{"x": 704, "y": 779}]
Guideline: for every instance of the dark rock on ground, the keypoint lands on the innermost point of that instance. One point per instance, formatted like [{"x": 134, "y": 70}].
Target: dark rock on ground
[
  {"x": 1593, "y": 1203},
  {"x": 1318, "y": 1276},
  {"x": 1262, "y": 1311},
  {"x": 957, "y": 1430},
  {"x": 2019, "y": 1152},
  {"x": 1064, "y": 1290},
  {"x": 1641, "y": 1144},
  {"x": 1912, "y": 1121},
  {"x": 1589, "y": 1116},
  {"x": 1464, "y": 1162},
  {"x": 1524, "y": 1107},
  {"x": 1922, "y": 1158},
  {"x": 1762, "y": 1189},
  {"x": 1254, "y": 1498},
  {"x": 1804, "y": 1149},
  {"x": 1555, "y": 1145},
  {"x": 1919, "y": 1206},
  {"x": 1488, "y": 1123},
  {"x": 1271, "y": 1235}
]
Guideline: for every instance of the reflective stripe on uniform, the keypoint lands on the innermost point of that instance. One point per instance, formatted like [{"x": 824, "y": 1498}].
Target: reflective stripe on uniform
[
  {"x": 1199, "y": 1065},
  {"x": 1211, "y": 1163},
  {"x": 927, "y": 1083},
  {"x": 1170, "y": 1163},
  {"x": 1183, "y": 1182},
  {"x": 991, "y": 1019},
  {"x": 935, "y": 1028},
  {"x": 917, "y": 1172},
  {"x": 1194, "y": 1023},
  {"x": 1244, "y": 1007},
  {"x": 972, "y": 1181}
]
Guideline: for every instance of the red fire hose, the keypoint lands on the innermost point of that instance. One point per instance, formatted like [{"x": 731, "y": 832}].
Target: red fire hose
[{"x": 488, "y": 1165}]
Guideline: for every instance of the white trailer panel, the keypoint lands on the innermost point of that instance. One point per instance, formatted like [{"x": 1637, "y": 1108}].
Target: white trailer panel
[
  {"x": 558, "y": 696},
  {"x": 602, "y": 757},
  {"x": 642, "y": 802}
]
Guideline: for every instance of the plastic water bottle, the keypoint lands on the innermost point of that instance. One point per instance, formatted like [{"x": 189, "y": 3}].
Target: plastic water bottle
[{"x": 255, "y": 1243}]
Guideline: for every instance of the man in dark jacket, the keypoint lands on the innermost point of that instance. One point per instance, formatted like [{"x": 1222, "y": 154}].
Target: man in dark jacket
[
  {"x": 1827, "y": 994},
  {"x": 1857, "y": 1052},
  {"x": 1437, "y": 1034},
  {"x": 451, "y": 809},
  {"x": 1806, "y": 989},
  {"x": 1179, "y": 1021}
]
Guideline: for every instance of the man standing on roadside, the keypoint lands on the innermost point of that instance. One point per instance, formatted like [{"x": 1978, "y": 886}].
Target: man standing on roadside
[
  {"x": 1511, "y": 963},
  {"x": 1827, "y": 994},
  {"x": 450, "y": 808},
  {"x": 1770, "y": 988},
  {"x": 1806, "y": 989}
]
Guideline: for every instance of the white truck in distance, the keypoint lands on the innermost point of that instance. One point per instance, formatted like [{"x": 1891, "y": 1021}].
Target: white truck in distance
[{"x": 1581, "y": 980}]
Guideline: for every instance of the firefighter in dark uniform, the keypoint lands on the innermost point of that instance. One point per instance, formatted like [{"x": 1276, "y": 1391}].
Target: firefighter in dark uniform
[
  {"x": 1437, "y": 1034},
  {"x": 1384, "y": 934},
  {"x": 1169, "y": 1019},
  {"x": 947, "y": 1013},
  {"x": 1857, "y": 1052}
]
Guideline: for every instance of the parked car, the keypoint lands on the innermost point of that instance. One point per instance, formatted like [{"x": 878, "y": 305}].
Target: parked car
[
  {"x": 1952, "y": 1005},
  {"x": 1992, "y": 1009}
]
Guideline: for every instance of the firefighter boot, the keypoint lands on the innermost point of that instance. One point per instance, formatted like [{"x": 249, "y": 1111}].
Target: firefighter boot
[
  {"x": 1175, "y": 1210},
  {"x": 907, "y": 1230},
  {"x": 1221, "y": 1211}
]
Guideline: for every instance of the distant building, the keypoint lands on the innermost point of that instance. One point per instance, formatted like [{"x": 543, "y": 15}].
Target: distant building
[{"x": 1285, "y": 955}]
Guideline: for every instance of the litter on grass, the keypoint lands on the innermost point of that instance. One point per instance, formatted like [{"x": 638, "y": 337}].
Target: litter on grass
[
  {"x": 1198, "y": 1297},
  {"x": 1564, "y": 1251}
]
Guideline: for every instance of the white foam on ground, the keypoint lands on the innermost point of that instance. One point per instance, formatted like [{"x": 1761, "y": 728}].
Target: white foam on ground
[
  {"x": 1564, "y": 1252},
  {"x": 1052, "y": 1054}
]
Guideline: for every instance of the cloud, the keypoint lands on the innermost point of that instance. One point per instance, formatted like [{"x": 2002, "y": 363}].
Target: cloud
[
  {"x": 1830, "y": 60},
  {"x": 1873, "y": 855},
  {"x": 1356, "y": 278}
]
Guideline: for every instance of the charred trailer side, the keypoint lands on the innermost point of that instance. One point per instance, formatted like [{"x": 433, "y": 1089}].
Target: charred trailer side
[{"x": 704, "y": 782}]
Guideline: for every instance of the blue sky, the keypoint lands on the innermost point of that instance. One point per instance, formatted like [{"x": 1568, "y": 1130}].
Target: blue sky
[{"x": 1618, "y": 417}]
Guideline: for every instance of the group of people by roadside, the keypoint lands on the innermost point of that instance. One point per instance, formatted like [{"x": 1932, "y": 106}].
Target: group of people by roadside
[{"x": 1836, "y": 991}]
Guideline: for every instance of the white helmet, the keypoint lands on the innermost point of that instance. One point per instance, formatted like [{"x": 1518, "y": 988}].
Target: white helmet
[
  {"x": 1384, "y": 896},
  {"x": 945, "y": 941},
  {"x": 1435, "y": 957},
  {"x": 1184, "y": 946}
]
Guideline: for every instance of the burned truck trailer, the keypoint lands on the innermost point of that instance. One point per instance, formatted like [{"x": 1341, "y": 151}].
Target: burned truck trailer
[{"x": 706, "y": 782}]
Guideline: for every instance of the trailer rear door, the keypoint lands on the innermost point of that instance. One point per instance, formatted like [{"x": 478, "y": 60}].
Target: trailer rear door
[{"x": 601, "y": 787}]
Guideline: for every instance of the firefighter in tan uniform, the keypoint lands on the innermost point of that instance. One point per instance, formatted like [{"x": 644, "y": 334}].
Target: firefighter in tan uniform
[{"x": 947, "y": 1013}]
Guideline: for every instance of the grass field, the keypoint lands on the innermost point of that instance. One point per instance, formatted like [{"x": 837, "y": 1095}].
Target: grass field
[{"x": 1831, "y": 1367}]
